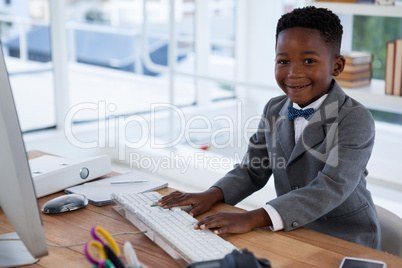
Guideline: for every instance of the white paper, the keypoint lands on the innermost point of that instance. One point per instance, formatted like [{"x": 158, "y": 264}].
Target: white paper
[{"x": 98, "y": 192}]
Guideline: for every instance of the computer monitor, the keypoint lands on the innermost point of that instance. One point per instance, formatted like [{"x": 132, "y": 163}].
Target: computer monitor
[{"x": 17, "y": 193}]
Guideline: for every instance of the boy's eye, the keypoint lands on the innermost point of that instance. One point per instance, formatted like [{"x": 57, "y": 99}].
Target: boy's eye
[
  {"x": 282, "y": 61},
  {"x": 309, "y": 61}
]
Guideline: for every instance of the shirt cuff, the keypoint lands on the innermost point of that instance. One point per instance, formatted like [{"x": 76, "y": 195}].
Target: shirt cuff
[{"x": 277, "y": 222}]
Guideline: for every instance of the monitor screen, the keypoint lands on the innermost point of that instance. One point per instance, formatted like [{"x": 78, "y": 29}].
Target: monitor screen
[{"x": 17, "y": 193}]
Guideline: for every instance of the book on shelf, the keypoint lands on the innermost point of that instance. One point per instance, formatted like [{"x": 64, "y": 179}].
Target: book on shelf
[
  {"x": 355, "y": 75},
  {"x": 353, "y": 83},
  {"x": 357, "y": 57},
  {"x": 389, "y": 68},
  {"x": 357, "y": 71},
  {"x": 349, "y": 68},
  {"x": 397, "y": 85}
]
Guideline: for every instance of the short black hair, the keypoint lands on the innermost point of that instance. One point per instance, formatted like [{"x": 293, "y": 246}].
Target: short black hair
[{"x": 321, "y": 19}]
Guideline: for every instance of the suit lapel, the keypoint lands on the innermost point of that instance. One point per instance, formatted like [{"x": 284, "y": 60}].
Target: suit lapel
[
  {"x": 285, "y": 130},
  {"x": 313, "y": 134},
  {"x": 315, "y": 131}
]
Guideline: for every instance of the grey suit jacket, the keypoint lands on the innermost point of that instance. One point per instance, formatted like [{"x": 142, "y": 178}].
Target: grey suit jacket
[{"x": 320, "y": 181}]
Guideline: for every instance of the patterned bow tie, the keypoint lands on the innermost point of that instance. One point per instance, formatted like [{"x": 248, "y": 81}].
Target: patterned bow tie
[{"x": 293, "y": 113}]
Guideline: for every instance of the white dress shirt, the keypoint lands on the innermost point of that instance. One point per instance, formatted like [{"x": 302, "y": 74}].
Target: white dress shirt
[{"x": 299, "y": 124}]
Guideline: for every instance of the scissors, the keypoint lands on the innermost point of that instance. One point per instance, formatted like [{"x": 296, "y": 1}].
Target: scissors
[{"x": 100, "y": 253}]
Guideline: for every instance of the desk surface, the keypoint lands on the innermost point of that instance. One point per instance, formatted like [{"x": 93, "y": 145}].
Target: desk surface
[{"x": 297, "y": 248}]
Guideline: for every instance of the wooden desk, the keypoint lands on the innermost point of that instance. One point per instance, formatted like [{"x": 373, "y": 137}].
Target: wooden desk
[{"x": 298, "y": 248}]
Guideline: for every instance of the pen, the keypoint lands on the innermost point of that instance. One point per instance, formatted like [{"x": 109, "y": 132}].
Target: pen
[
  {"x": 112, "y": 257},
  {"x": 125, "y": 182}
]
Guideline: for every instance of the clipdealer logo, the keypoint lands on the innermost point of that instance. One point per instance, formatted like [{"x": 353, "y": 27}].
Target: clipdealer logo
[{"x": 116, "y": 131}]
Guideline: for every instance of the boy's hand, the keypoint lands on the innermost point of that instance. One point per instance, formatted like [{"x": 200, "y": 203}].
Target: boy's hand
[
  {"x": 222, "y": 223},
  {"x": 200, "y": 202}
]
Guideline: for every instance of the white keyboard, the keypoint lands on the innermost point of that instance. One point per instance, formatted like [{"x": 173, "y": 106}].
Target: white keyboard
[{"x": 171, "y": 229}]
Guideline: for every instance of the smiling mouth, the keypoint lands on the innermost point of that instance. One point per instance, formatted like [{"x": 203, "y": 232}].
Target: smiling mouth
[{"x": 298, "y": 87}]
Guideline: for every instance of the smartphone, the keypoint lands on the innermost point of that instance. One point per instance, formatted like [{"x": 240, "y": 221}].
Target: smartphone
[{"x": 350, "y": 262}]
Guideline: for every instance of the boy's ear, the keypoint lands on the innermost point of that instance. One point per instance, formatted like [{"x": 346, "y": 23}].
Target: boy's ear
[{"x": 339, "y": 64}]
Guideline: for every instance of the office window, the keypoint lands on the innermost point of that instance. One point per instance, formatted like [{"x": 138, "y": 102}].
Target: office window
[
  {"x": 106, "y": 64},
  {"x": 28, "y": 59},
  {"x": 222, "y": 59},
  {"x": 107, "y": 61},
  {"x": 372, "y": 34}
]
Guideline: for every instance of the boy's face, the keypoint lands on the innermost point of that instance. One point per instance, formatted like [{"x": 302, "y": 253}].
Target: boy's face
[{"x": 304, "y": 65}]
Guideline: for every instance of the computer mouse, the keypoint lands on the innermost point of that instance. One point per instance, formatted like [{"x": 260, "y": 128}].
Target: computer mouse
[{"x": 65, "y": 203}]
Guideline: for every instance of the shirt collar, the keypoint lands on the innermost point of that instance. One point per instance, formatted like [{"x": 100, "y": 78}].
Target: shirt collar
[{"x": 315, "y": 105}]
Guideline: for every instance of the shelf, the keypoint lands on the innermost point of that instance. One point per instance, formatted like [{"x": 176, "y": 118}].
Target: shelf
[
  {"x": 360, "y": 9},
  {"x": 373, "y": 97}
]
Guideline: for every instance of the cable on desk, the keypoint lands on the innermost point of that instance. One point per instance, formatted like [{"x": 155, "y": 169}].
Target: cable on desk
[
  {"x": 77, "y": 244},
  {"x": 82, "y": 243}
]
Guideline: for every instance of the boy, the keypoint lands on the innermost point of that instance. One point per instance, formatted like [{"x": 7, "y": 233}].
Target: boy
[{"x": 324, "y": 148}]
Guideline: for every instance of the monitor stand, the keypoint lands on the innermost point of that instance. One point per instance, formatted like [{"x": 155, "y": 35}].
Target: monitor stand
[{"x": 14, "y": 253}]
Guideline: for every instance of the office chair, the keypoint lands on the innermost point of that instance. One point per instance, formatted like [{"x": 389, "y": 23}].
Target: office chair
[{"x": 391, "y": 230}]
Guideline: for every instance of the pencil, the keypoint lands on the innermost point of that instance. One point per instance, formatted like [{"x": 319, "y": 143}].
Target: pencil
[{"x": 126, "y": 182}]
